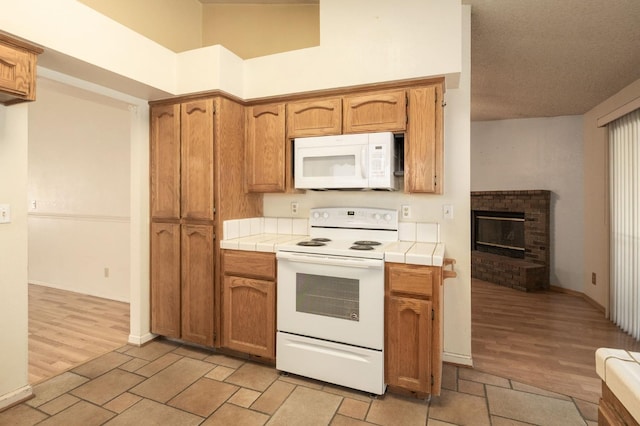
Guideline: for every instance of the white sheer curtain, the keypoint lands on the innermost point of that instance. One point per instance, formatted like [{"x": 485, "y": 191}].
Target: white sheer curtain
[{"x": 624, "y": 181}]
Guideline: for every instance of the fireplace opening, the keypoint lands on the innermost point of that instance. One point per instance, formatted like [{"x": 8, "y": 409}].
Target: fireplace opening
[{"x": 500, "y": 233}]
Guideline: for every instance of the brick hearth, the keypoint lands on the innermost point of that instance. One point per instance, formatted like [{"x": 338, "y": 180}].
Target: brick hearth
[{"x": 532, "y": 272}]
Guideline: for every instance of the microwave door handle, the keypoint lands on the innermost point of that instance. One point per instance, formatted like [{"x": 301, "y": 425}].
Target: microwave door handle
[{"x": 363, "y": 162}]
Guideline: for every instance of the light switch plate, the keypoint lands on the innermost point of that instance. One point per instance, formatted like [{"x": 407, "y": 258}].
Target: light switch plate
[
  {"x": 447, "y": 211},
  {"x": 5, "y": 213}
]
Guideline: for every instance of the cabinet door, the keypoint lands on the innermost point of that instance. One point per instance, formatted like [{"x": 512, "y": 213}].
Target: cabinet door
[
  {"x": 165, "y": 279},
  {"x": 197, "y": 284},
  {"x": 165, "y": 161},
  {"x": 377, "y": 112},
  {"x": 408, "y": 341},
  {"x": 314, "y": 118},
  {"x": 423, "y": 145},
  {"x": 249, "y": 316},
  {"x": 16, "y": 72},
  {"x": 265, "y": 148},
  {"x": 197, "y": 159}
]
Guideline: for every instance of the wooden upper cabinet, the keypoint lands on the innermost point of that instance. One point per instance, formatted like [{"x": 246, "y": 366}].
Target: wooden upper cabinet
[
  {"x": 314, "y": 118},
  {"x": 376, "y": 112},
  {"x": 423, "y": 145},
  {"x": 197, "y": 159},
  {"x": 165, "y": 161},
  {"x": 265, "y": 148},
  {"x": 17, "y": 70}
]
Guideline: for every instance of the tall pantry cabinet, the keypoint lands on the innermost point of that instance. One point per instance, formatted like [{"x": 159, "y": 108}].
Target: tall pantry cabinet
[{"x": 196, "y": 183}]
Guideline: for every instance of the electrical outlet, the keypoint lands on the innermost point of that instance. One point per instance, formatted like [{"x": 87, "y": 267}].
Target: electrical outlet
[
  {"x": 406, "y": 211},
  {"x": 294, "y": 208},
  {"x": 106, "y": 272},
  {"x": 593, "y": 278}
]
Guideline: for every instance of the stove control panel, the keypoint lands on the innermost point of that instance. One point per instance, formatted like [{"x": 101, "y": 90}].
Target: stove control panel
[{"x": 354, "y": 217}]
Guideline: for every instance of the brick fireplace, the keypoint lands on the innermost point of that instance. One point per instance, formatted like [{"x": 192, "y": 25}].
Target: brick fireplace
[{"x": 510, "y": 238}]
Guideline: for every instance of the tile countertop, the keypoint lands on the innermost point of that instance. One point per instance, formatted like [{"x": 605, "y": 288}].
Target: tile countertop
[
  {"x": 620, "y": 370},
  {"x": 245, "y": 234}
]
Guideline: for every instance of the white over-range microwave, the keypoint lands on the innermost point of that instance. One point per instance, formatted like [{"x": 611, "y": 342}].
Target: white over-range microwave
[{"x": 354, "y": 161}]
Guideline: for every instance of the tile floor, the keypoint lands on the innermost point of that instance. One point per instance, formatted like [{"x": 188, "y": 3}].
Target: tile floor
[{"x": 165, "y": 383}]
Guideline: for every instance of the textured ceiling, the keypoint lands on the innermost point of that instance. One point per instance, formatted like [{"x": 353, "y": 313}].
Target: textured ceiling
[{"x": 545, "y": 58}]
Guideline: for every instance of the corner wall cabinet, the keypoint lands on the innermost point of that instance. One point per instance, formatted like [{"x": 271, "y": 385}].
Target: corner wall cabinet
[
  {"x": 191, "y": 141},
  {"x": 249, "y": 302},
  {"x": 265, "y": 148},
  {"x": 424, "y": 142},
  {"x": 413, "y": 328},
  {"x": 17, "y": 70}
]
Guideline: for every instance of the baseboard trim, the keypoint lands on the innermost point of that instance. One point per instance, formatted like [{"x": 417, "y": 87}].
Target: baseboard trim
[
  {"x": 587, "y": 299},
  {"x": 16, "y": 397},
  {"x": 457, "y": 359},
  {"x": 141, "y": 340}
]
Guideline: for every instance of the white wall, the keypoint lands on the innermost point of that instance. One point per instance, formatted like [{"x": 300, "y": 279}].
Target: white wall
[
  {"x": 79, "y": 174},
  {"x": 13, "y": 256},
  {"x": 539, "y": 153}
]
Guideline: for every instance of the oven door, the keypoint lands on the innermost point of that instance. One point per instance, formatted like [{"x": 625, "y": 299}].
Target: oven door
[{"x": 334, "y": 298}]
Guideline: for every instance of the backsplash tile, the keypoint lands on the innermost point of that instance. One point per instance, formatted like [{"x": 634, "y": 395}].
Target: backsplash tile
[
  {"x": 285, "y": 225},
  {"x": 231, "y": 229},
  {"x": 428, "y": 233},
  {"x": 270, "y": 225},
  {"x": 407, "y": 231},
  {"x": 257, "y": 225}
]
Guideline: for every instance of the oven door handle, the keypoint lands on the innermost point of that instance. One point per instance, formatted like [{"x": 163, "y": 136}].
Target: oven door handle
[{"x": 331, "y": 260}]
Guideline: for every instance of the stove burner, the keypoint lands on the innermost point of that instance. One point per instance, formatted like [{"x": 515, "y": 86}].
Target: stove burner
[
  {"x": 361, "y": 247},
  {"x": 367, "y": 243},
  {"x": 311, "y": 243},
  {"x": 321, "y": 240}
]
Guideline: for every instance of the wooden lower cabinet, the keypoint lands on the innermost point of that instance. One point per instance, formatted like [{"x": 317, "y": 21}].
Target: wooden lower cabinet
[
  {"x": 182, "y": 282},
  {"x": 165, "y": 279},
  {"x": 197, "y": 284},
  {"x": 413, "y": 328},
  {"x": 409, "y": 341},
  {"x": 249, "y": 302}
]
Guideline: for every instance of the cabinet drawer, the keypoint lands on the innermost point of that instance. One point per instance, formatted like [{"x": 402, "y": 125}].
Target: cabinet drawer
[
  {"x": 249, "y": 264},
  {"x": 412, "y": 279}
]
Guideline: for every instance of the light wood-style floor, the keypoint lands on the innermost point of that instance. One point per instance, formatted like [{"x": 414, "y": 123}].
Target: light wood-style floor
[
  {"x": 67, "y": 329},
  {"x": 545, "y": 339}
]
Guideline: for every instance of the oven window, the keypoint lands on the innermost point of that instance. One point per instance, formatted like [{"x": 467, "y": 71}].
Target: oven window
[{"x": 328, "y": 296}]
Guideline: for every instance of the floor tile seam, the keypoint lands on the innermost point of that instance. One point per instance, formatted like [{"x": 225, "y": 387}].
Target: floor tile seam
[
  {"x": 76, "y": 403},
  {"x": 159, "y": 371},
  {"x": 508, "y": 418},
  {"x": 117, "y": 367},
  {"x": 570, "y": 400},
  {"x": 342, "y": 414},
  {"x": 143, "y": 399},
  {"x": 262, "y": 393},
  {"x": 586, "y": 420}
]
